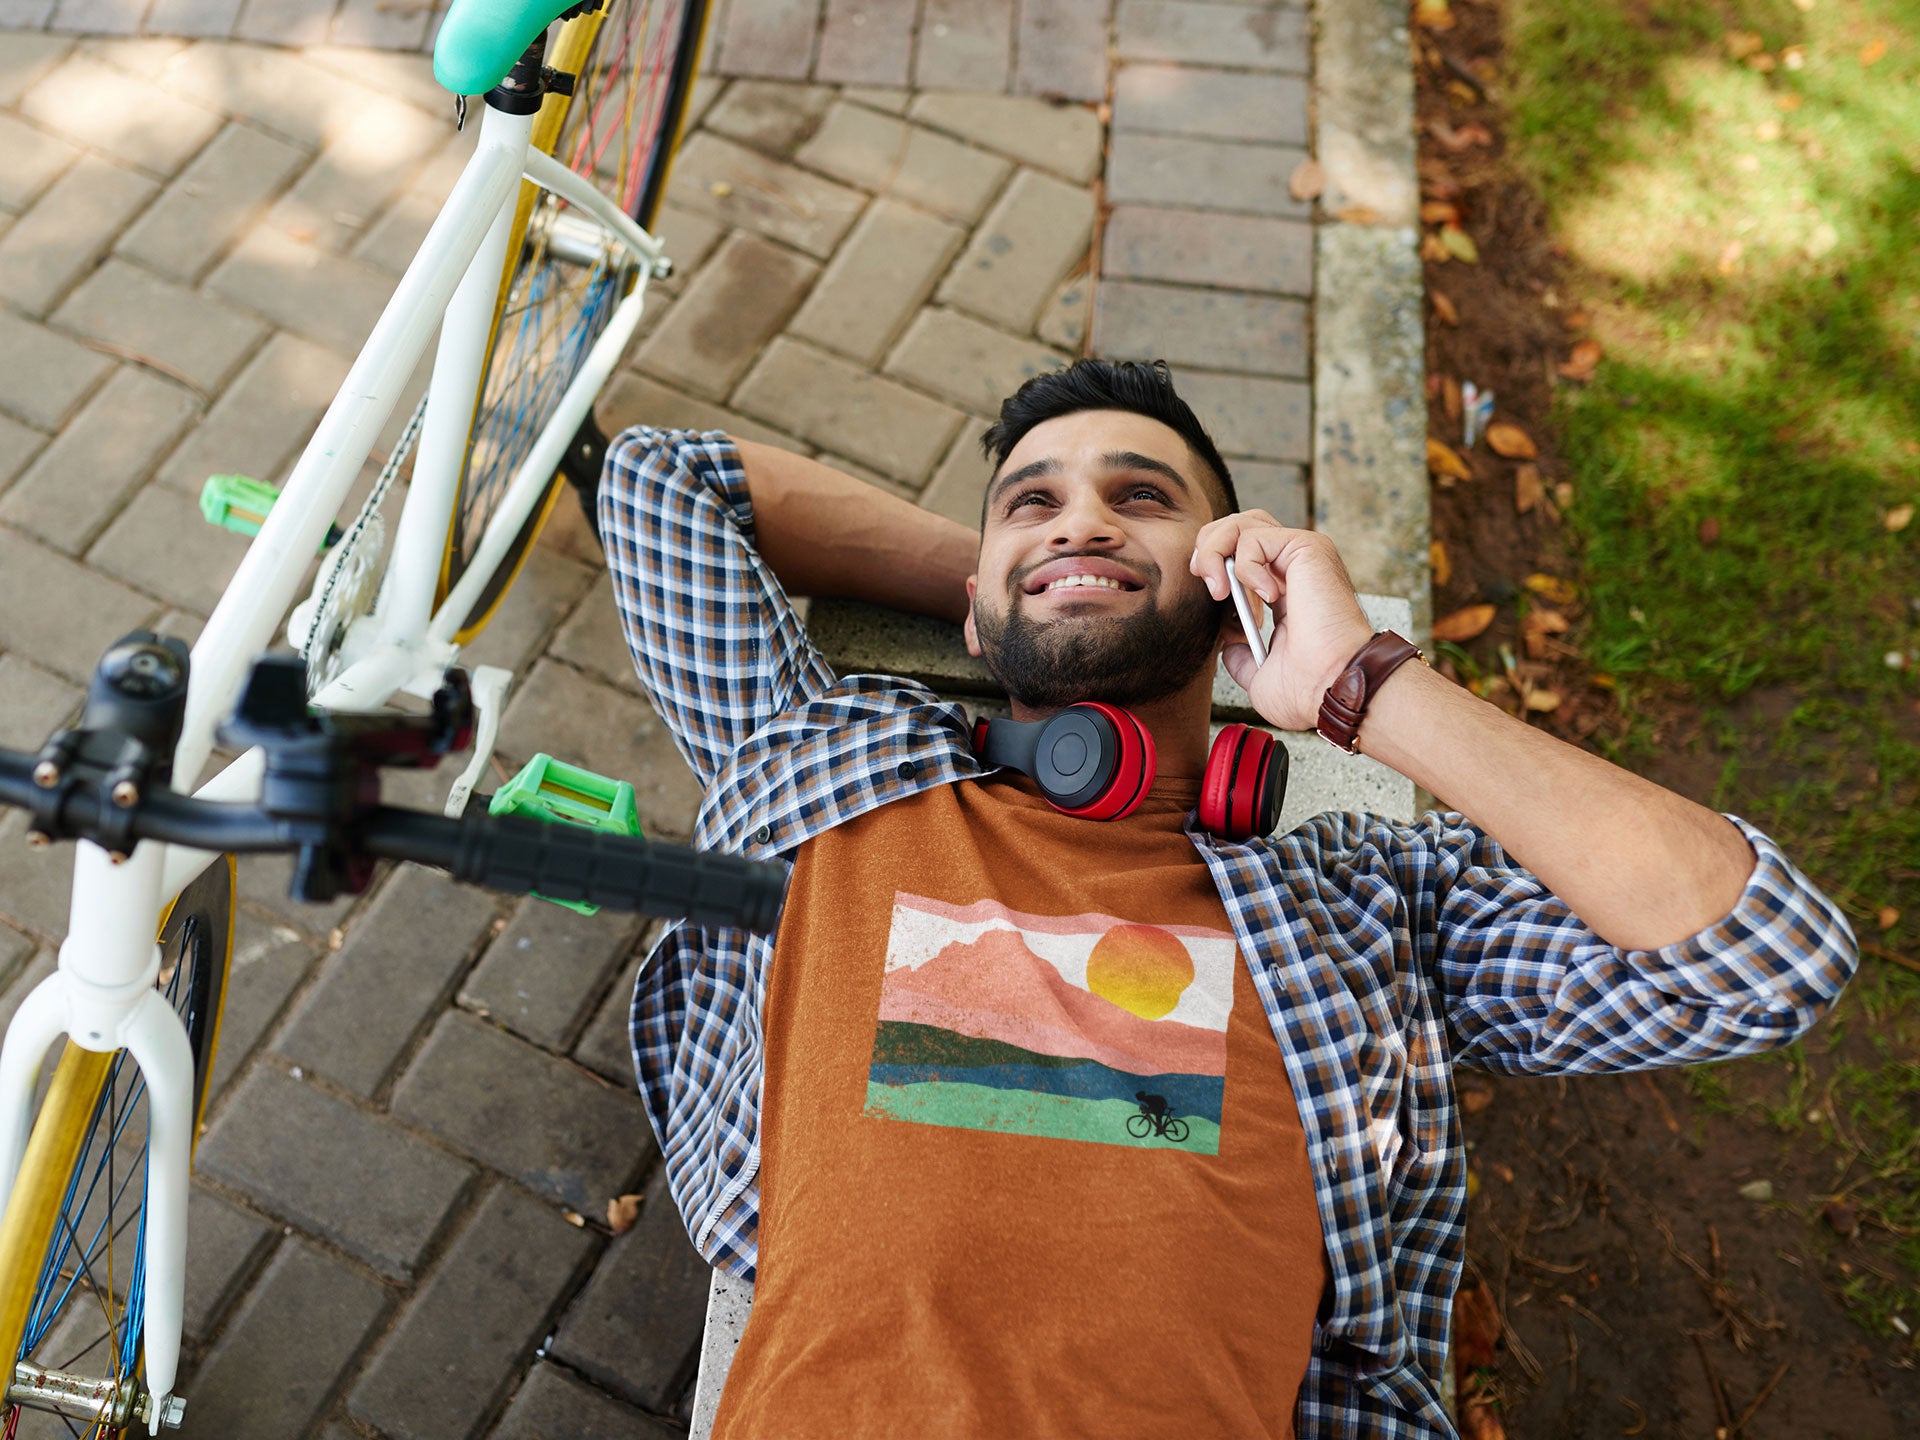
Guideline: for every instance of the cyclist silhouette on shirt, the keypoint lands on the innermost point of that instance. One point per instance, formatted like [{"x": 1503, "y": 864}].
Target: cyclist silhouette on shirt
[
  {"x": 1152, "y": 1106},
  {"x": 1156, "y": 1118}
]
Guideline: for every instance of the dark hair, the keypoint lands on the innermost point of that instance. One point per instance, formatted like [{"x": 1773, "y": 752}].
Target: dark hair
[{"x": 1145, "y": 388}]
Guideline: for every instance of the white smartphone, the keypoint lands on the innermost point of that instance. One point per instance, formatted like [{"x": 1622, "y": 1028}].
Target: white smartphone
[{"x": 1254, "y": 639}]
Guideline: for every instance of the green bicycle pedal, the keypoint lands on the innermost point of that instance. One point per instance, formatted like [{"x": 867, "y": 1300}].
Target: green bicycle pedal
[
  {"x": 551, "y": 790},
  {"x": 241, "y": 504}
]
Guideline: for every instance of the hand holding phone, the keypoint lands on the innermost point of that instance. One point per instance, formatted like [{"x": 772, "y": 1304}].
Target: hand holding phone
[{"x": 1254, "y": 640}]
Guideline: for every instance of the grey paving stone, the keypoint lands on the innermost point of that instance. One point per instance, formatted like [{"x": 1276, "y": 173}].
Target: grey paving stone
[
  {"x": 91, "y": 103},
  {"x": 15, "y": 948},
  {"x": 43, "y": 374},
  {"x": 193, "y": 17},
  {"x": 98, "y": 17},
  {"x": 774, "y": 38},
  {"x": 395, "y": 971},
  {"x": 145, "y": 55},
  {"x": 1203, "y": 247},
  {"x": 1210, "y": 329},
  {"x": 270, "y": 1374},
  {"x": 1035, "y": 234},
  {"x": 1063, "y": 320},
  {"x": 67, "y": 230},
  {"x": 565, "y": 714},
  {"x": 842, "y": 407},
  {"x": 269, "y": 962},
  {"x": 910, "y": 162},
  {"x": 541, "y": 973},
  {"x": 378, "y": 24},
  {"x": 890, "y": 98},
  {"x": 604, "y": 1046},
  {"x": 548, "y": 1123},
  {"x": 1061, "y": 49},
  {"x": 474, "y": 1322},
  {"x": 330, "y": 299},
  {"x": 36, "y": 886},
  {"x": 1065, "y": 139},
  {"x": 35, "y": 157},
  {"x": 769, "y": 115},
  {"x": 33, "y": 702},
  {"x": 406, "y": 77},
  {"x": 59, "y": 614},
  {"x": 359, "y": 171},
  {"x": 876, "y": 281},
  {"x": 969, "y": 363},
  {"x": 263, "y": 884},
  {"x": 552, "y": 1405},
  {"x": 91, "y": 467},
  {"x": 740, "y": 187},
  {"x": 866, "y": 42},
  {"x": 1251, "y": 415},
  {"x": 636, "y": 1327},
  {"x": 24, "y": 978},
  {"x": 634, "y": 399},
  {"x": 261, "y": 420},
  {"x": 959, "y": 486},
  {"x": 1226, "y": 104},
  {"x": 25, "y": 14},
  {"x": 192, "y": 334},
  {"x": 548, "y": 586},
  {"x": 591, "y": 640},
  {"x": 164, "y": 545},
  {"x": 282, "y": 22},
  {"x": 354, "y": 1179},
  {"x": 964, "y": 45},
  {"x": 1204, "y": 174},
  {"x": 1280, "y": 490},
  {"x": 273, "y": 87},
  {"x": 224, "y": 1243},
  {"x": 689, "y": 240},
  {"x": 26, "y": 57},
  {"x": 1266, "y": 37},
  {"x": 18, "y": 444},
  {"x": 738, "y": 301},
  {"x": 221, "y": 191}
]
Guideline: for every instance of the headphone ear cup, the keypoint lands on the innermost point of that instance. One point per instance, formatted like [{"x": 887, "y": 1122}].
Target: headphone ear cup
[
  {"x": 1133, "y": 771},
  {"x": 1245, "y": 780}
]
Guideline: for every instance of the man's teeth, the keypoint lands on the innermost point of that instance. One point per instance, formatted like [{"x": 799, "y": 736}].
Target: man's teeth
[{"x": 1085, "y": 580}]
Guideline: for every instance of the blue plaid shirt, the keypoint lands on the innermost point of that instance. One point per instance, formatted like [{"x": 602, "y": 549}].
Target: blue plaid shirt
[{"x": 1385, "y": 953}]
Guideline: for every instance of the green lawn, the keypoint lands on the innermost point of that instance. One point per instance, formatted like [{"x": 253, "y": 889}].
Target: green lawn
[{"x": 1738, "y": 189}]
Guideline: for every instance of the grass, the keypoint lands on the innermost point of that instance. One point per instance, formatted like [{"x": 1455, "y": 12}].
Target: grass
[{"x": 1736, "y": 184}]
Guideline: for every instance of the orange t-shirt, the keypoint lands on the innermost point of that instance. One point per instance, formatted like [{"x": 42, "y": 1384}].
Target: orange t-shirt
[{"x": 1030, "y": 1162}]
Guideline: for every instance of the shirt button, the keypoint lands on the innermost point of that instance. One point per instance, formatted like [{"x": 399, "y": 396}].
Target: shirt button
[
  {"x": 763, "y": 834},
  {"x": 906, "y": 769}
]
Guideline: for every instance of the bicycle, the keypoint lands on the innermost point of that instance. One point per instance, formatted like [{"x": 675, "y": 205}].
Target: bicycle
[
  {"x": 536, "y": 272},
  {"x": 1162, "y": 1123}
]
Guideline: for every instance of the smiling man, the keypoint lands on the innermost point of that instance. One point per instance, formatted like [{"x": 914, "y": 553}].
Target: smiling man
[{"x": 1028, "y": 1124}]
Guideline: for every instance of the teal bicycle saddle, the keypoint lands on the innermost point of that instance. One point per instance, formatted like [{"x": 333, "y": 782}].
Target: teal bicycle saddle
[{"x": 481, "y": 39}]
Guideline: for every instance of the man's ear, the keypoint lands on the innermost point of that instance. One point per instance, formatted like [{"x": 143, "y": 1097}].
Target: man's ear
[{"x": 973, "y": 635}]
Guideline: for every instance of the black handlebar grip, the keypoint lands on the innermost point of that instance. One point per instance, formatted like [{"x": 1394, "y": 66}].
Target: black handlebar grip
[{"x": 565, "y": 862}]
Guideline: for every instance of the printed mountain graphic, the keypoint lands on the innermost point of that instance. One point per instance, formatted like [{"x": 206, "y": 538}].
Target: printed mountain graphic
[{"x": 997, "y": 988}]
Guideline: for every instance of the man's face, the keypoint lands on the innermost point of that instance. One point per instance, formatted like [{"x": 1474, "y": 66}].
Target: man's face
[{"x": 1110, "y": 495}]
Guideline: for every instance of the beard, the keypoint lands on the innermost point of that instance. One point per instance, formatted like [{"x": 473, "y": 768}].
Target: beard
[{"x": 1123, "y": 659}]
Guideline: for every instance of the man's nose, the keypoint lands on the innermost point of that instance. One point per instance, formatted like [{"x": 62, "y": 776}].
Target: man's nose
[{"x": 1084, "y": 520}]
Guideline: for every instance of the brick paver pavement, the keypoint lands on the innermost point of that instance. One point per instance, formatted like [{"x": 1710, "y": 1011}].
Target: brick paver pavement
[{"x": 889, "y": 213}]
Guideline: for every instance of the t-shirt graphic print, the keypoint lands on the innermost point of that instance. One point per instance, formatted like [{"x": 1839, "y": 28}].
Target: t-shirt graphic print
[{"x": 1076, "y": 1027}]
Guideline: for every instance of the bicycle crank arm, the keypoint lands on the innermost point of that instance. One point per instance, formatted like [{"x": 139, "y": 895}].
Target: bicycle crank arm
[{"x": 85, "y": 1397}]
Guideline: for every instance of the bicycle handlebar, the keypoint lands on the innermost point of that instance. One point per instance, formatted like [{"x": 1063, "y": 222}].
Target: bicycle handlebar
[{"x": 507, "y": 853}]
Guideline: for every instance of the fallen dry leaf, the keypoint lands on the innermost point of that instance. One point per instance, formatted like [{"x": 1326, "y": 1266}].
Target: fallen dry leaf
[
  {"x": 1563, "y": 494},
  {"x": 574, "y": 1218},
  {"x": 1874, "y": 51},
  {"x": 1439, "y": 212},
  {"x": 1730, "y": 257},
  {"x": 1476, "y": 1316},
  {"x": 1434, "y": 15},
  {"x": 1841, "y": 1216},
  {"x": 1464, "y": 624},
  {"x": 1762, "y": 62},
  {"x": 1463, "y": 92},
  {"x": 1444, "y": 307},
  {"x": 1442, "y": 566},
  {"x": 1788, "y": 101},
  {"x": 1464, "y": 138},
  {"x": 1552, "y": 587},
  {"x": 1899, "y": 517},
  {"x": 1767, "y": 131},
  {"x": 1527, "y": 489},
  {"x": 1480, "y": 1421},
  {"x": 1307, "y": 180},
  {"x": 622, "y": 1211},
  {"x": 1710, "y": 530},
  {"x": 1358, "y": 215},
  {"x": 1576, "y": 319},
  {"x": 1452, "y": 402},
  {"x": 1459, "y": 244},
  {"x": 1511, "y": 441},
  {"x": 1888, "y": 917},
  {"x": 1582, "y": 361},
  {"x": 1539, "y": 624},
  {"x": 1432, "y": 249},
  {"x": 1505, "y": 1172},
  {"x": 1473, "y": 1102},
  {"x": 1742, "y": 43},
  {"x": 1543, "y": 700},
  {"x": 1442, "y": 459}
]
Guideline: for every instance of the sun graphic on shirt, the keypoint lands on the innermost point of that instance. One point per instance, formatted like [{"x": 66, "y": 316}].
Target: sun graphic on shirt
[{"x": 1140, "y": 968}]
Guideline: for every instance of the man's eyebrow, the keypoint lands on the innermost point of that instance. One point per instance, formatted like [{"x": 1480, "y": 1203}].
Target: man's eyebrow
[
  {"x": 1030, "y": 471},
  {"x": 1134, "y": 460}
]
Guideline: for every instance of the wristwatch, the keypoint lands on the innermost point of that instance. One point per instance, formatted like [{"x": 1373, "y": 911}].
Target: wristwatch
[{"x": 1344, "y": 705}]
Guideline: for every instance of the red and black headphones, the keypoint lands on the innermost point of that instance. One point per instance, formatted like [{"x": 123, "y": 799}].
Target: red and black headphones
[{"x": 1096, "y": 761}]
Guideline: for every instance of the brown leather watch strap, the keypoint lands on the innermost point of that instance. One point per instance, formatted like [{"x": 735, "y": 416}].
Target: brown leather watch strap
[{"x": 1344, "y": 705}]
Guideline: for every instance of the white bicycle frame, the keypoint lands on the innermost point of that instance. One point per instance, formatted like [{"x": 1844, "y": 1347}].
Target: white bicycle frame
[{"x": 102, "y": 995}]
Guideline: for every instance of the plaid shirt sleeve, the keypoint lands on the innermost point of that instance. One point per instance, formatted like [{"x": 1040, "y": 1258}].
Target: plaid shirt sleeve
[
  {"x": 714, "y": 638},
  {"x": 1529, "y": 989}
]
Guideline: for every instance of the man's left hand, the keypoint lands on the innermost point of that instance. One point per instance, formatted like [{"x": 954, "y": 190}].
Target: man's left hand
[{"x": 1318, "y": 623}]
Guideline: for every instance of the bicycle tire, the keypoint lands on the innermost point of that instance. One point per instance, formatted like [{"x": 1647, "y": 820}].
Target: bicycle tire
[
  {"x": 1177, "y": 1131},
  {"x": 81, "y": 1139},
  {"x": 1139, "y": 1126},
  {"x": 540, "y": 336}
]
